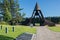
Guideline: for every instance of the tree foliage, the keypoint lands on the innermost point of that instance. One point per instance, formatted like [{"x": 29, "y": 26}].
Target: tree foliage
[
  {"x": 7, "y": 15},
  {"x": 10, "y": 10}
]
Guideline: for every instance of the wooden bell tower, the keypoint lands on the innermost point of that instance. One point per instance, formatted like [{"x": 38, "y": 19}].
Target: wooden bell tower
[{"x": 37, "y": 12}]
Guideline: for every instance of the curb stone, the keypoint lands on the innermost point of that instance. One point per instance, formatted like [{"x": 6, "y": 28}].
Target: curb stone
[{"x": 33, "y": 37}]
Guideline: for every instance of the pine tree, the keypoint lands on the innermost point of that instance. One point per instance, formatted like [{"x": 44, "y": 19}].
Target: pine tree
[
  {"x": 7, "y": 14},
  {"x": 15, "y": 10},
  {"x": 11, "y": 10},
  {"x": 5, "y": 7}
]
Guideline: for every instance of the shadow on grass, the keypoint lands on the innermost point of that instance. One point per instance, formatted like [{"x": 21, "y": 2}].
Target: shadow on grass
[{"x": 2, "y": 37}]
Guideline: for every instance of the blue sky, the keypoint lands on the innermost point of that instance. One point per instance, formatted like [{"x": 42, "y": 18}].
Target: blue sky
[{"x": 48, "y": 7}]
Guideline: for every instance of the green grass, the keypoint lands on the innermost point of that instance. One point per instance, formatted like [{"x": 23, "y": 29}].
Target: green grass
[
  {"x": 18, "y": 30},
  {"x": 37, "y": 24},
  {"x": 55, "y": 29}
]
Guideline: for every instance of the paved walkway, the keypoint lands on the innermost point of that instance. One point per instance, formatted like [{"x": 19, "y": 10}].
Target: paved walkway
[{"x": 43, "y": 33}]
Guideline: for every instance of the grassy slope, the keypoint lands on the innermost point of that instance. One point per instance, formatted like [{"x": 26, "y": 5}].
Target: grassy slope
[
  {"x": 56, "y": 29},
  {"x": 18, "y": 30}
]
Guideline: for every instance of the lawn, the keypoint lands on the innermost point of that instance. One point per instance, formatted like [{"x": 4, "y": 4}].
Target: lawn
[
  {"x": 55, "y": 29},
  {"x": 18, "y": 31},
  {"x": 37, "y": 24}
]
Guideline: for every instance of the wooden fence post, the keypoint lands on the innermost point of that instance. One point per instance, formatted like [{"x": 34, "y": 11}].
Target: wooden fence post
[{"x": 6, "y": 30}]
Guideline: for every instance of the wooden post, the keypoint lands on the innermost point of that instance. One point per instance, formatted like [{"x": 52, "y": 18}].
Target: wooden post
[
  {"x": 1, "y": 27},
  {"x": 13, "y": 29},
  {"x": 6, "y": 30}
]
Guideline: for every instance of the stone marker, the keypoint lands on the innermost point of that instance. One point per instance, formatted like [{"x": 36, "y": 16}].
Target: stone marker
[{"x": 25, "y": 36}]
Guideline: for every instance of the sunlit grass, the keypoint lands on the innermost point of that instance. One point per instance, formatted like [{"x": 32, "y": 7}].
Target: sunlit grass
[
  {"x": 18, "y": 30},
  {"x": 56, "y": 29}
]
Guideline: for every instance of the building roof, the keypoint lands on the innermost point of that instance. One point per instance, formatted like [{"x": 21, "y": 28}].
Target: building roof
[{"x": 37, "y": 7}]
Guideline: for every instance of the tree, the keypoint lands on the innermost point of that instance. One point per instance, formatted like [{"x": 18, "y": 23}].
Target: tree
[
  {"x": 7, "y": 15},
  {"x": 18, "y": 16},
  {"x": 11, "y": 10}
]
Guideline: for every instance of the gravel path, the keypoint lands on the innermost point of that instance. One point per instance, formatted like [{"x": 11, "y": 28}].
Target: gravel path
[{"x": 43, "y": 33}]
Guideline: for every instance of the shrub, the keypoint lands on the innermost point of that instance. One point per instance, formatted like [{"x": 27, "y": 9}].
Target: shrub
[{"x": 3, "y": 23}]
